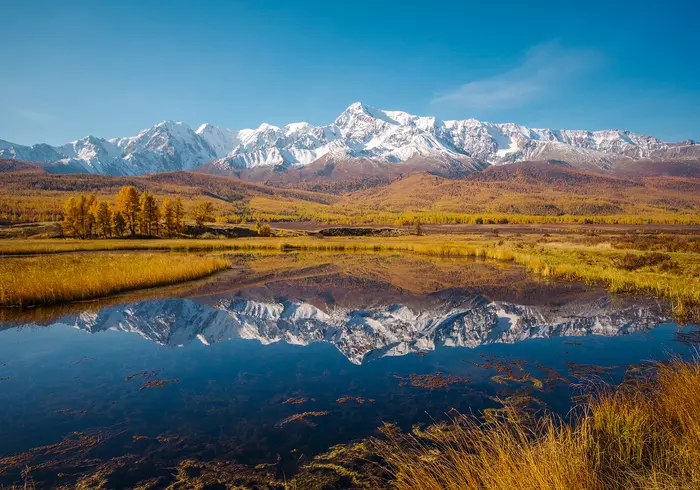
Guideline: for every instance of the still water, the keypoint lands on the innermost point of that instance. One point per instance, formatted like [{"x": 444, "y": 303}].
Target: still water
[{"x": 215, "y": 369}]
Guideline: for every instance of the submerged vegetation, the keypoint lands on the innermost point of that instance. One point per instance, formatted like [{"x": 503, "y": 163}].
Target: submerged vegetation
[
  {"x": 27, "y": 281},
  {"x": 644, "y": 435}
]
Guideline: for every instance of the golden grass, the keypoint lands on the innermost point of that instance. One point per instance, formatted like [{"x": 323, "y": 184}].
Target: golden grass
[
  {"x": 560, "y": 257},
  {"x": 27, "y": 281},
  {"x": 59, "y": 245},
  {"x": 635, "y": 437}
]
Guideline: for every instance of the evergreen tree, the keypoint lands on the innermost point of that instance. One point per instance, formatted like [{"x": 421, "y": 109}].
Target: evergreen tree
[
  {"x": 417, "y": 227},
  {"x": 91, "y": 216},
  {"x": 149, "y": 214},
  {"x": 70, "y": 212},
  {"x": 179, "y": 212},
  {"x": 203, "y": 213},
  {"x": 81, "y": 212},
  {"x": 78, "y": 221},
  {"x": 129, "y": 207},
  {"x": 263, "y": 229},
  {"x": 119, "y": 227},
  {"x": 168, "y": 214},
  {"x": 103, "y": 217}
]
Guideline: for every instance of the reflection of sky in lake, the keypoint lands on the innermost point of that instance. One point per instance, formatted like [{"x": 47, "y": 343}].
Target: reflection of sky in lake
[{"x": 242, "y": 354}]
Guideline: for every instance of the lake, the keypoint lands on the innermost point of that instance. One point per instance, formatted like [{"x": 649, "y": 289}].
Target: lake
[{"x": 286, "y": 355}]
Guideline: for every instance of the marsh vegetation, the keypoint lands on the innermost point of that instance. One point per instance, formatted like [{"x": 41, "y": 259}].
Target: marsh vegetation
[
  {"x": 644, "y": 434},
  {"x": 51, "y": 279},
  {"x": 663, "y": 265}
]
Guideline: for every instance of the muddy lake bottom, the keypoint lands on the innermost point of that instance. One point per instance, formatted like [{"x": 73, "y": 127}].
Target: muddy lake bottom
[{"x": 287, "y": 355}]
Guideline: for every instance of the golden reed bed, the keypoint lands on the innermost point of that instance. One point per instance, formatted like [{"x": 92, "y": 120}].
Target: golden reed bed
[{"x": 51, "y": 279}]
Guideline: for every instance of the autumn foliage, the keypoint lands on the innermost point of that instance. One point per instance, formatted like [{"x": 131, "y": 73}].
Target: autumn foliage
[{"x": 133, "y": 213}]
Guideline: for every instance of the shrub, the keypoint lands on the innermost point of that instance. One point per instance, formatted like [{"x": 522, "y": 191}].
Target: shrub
[
  {"x": 631, "y": 262},
  {"x": 263, "y": 229}
]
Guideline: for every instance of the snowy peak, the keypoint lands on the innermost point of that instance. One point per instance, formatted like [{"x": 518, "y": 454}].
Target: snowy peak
[
  {"x": 359, "y": 132},
  {"x": 365, "y": 132},
  {"x": 221, "y": 140}
]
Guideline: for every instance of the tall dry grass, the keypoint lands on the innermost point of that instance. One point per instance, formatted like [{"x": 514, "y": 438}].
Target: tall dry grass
[
  {"x": 640, "y": 436},
  {"x": 51, "y": 279},
  {"x": 563, "y": 260}
]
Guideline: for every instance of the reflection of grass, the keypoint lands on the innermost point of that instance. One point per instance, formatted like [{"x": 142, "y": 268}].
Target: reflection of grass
[
  {"x": 634, "y": 437},
  {"x": 26, "y": 281}
]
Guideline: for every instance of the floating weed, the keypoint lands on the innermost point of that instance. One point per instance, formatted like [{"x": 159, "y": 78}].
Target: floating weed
[
  {"x": 643, "y": 435},
  {"x": 503, "y": 379},
  {"x": 357, "y": 399},
  {"x": 588, "y": 370},
  {"x": 553, "y": 376},
  {"x": 70, "y": 411},
  {"x": 302, "y": 417},
  {"x": 298, "y": 401},
  {"x": 432, "y": 381},
  {"x": 157, "y": 383},
  {"x": 692, "y": 337},
  {"x": 146, "y": 375}
]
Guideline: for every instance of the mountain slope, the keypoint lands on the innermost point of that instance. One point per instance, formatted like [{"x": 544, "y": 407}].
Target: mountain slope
[
  {"x": 164, "y": 147},
  {"x": 451, "y": 148}
]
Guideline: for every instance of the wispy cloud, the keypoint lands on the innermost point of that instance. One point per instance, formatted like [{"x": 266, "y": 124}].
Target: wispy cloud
[
  {"x": 545, "y": 70},
  {"x": 36, "y": 116}
]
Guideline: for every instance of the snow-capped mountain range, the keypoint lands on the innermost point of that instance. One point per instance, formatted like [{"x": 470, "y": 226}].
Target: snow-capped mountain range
[
  {"x": 376, "y": 331},
  {"x": 360, "y": 132}
]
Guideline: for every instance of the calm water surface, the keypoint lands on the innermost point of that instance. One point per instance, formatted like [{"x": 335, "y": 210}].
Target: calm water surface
[{"x": 215, "y": 367}]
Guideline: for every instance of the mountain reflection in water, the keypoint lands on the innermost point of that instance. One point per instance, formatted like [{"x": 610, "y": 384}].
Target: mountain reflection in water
[
  {"x": 367, "y": 313},
  {"x": 287, "y": 355}
]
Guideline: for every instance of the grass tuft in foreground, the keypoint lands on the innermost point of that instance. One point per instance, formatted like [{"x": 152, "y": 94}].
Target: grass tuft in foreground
[
  {"x": 644, "y": 435},
  {"x": 52, "y": 279}
]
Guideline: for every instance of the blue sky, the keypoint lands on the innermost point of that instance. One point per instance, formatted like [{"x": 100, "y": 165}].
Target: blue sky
[{"x": 113, "y": 68}]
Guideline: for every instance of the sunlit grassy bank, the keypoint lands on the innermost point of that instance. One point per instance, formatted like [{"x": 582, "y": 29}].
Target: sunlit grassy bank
[
  {"x": 671, "y": 271},
  {"x": 26, "y": 281},
  {"x": 638, "y": 436}
]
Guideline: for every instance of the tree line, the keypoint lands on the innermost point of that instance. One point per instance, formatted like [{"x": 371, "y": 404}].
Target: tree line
[{"x": 134, "y": 213}]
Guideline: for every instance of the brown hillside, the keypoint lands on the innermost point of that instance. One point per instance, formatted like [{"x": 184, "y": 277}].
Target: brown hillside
[
  {"x": 534, "y": 189},
  {"x": 9, "y": 165},
  {"x": 527, "y": 189},
  {"x": 36, "y": 195}
]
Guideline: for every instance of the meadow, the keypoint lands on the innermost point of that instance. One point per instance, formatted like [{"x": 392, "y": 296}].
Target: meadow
[
  {"x": 668, "y": 267},
  {"x": 38, "y": 280}
]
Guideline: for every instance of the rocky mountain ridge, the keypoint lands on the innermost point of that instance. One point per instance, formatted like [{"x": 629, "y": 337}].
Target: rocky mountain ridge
[{"x": 361, "y": 133}]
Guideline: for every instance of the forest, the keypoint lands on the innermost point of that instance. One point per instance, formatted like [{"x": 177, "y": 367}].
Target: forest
[{"x": 134, "y": 213}]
